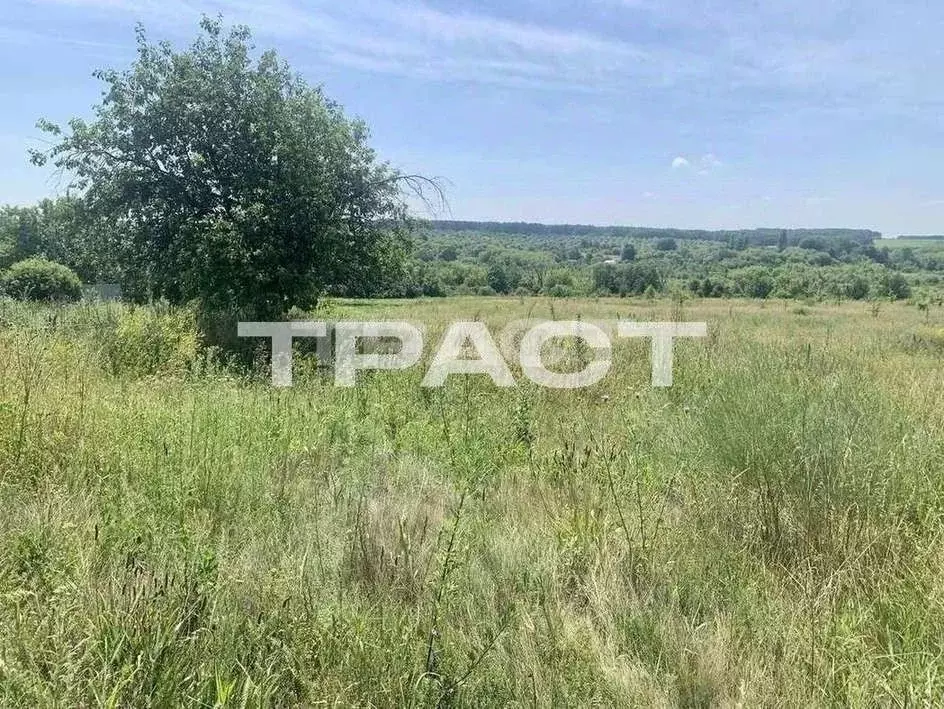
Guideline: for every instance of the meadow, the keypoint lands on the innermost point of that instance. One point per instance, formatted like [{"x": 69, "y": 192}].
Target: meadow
[{"x": 767, "y": 532}]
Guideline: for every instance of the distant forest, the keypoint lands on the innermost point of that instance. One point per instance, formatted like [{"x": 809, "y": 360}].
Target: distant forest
[
  {"x": 751, "y": 237},
  {"x": 561, "y": 260}
]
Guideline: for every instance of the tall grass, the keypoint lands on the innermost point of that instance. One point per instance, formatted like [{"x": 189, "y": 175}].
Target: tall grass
[{"x": 768, "y": 532}]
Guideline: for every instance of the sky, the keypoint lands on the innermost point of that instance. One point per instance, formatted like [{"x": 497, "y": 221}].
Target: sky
[{"x": 680, "y": 113}]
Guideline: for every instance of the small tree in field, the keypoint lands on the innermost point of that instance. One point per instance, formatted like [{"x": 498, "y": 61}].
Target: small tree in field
[{"x": 230, "y": 181}]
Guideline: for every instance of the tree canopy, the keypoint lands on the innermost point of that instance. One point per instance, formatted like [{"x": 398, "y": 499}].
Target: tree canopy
[{"x": 217, "y": 177}]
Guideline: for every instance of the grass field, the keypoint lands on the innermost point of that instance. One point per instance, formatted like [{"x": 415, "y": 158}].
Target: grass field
[
  {"x": 767, "y": 532},
  {"x": 904, "y": 242}
]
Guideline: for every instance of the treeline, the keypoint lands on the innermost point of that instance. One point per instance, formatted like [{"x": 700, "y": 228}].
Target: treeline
[{"x": 746, "y": 237}]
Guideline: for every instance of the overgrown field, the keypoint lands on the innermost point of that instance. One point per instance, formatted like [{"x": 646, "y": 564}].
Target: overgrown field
[{"x": 767, "y": 532}]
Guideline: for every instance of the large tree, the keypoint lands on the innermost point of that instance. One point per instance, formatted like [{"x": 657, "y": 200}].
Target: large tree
[{"x": 228, "y": 180}]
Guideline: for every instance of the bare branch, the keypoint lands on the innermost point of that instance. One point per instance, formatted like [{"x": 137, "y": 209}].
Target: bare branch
[{"x": 429, "y": 190}]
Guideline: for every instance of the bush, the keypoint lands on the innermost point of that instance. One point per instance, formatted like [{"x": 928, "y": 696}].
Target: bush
[
  {"x": 753, "y": 281},
  {"x": 39, "y": 279},
  {"x": 559, "y": 290},
  {"x": 896, "y": 286}
]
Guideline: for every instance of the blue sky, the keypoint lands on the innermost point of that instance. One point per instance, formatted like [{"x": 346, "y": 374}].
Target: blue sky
[{"x": 686, "y": 113}]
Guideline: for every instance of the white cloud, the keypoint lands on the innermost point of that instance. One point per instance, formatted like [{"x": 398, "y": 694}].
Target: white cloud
[{"x": 702, "y": 165}]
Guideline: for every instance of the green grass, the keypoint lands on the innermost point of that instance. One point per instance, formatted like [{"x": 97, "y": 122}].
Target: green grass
[
  {"x": 768, "y": 532},
  {"x": 903, "y": 242}
]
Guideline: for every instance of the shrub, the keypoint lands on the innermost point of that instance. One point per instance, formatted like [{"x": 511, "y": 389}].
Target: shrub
[
  {"x": 754, "y": 281},
  {"x": 559, "y": 290},
  {"x": 896, "y": 286},
  {"x": 558, "y": 277},
  {"x": 39, "y": 279}
]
